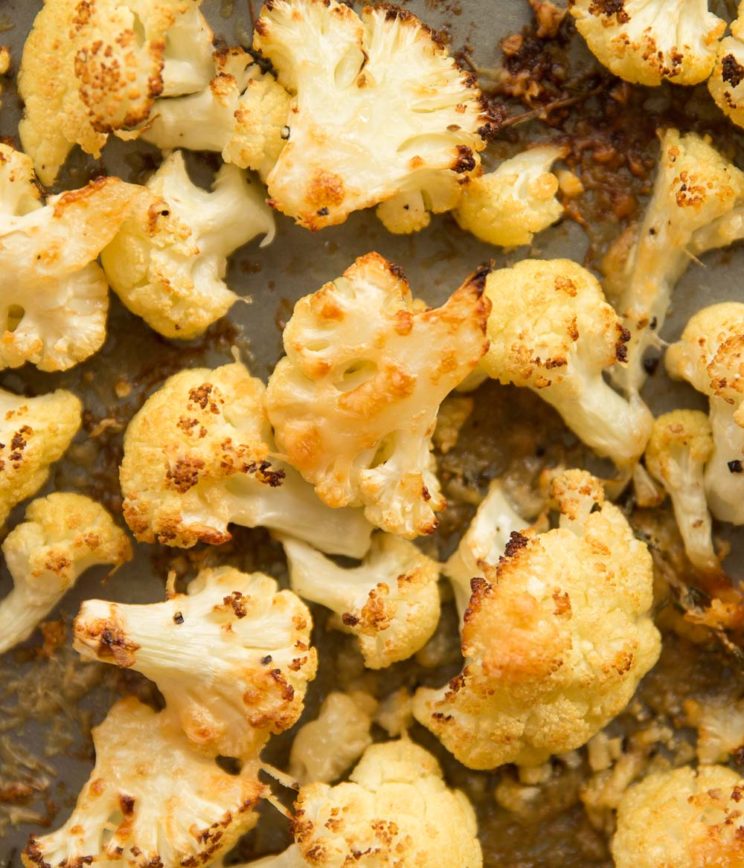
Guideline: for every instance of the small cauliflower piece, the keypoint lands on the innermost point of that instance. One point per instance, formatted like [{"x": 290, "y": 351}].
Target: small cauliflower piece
[
  {"x": 682, "y": 818},
  {"x": 19, "y": 192},
  {"x": 390, "y": 602},
  {"x": 681, "y": 444},
  {"x": 34, "y": 433},
  {"x": 725, "y": 82},
  {"x": 509, "y": 206},
  {"x": 196, "y": 458},
  {"x": 710, "y": 356},
  {"x": 555, "y": 639},
  {"x": 62, "y": 536},
  {"x": 355, "y": 400},
  {"x": 719, "y": 722},
  {"x": 380, "y": 112},
  {"x": 552, "y": 331},
  {"x": 232, "y": 657},
  {"x": 650, "y": 41},
  {"x": 168, "y": 261},
  {"x": 152, "y": 799}
]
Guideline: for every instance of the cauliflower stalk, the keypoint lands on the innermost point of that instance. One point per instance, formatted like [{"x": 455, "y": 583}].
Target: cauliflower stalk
[
  {"x": 390, "y": 602},
  {"x": 168, "y": 261},
  {"x": 196, "y": 458},
  {"x": 232, "y": 657},
  {"x": 150, "y": 800},
  {"x": 354, "y": 402},
  {"x": 380, "y": 113},
  {"x": 539, "y": 677},
  {"x": 552, "y": 331}
]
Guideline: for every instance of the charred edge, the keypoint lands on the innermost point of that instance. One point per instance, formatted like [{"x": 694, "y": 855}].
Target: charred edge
[
  {"x": 479, "y": 276},
  {"x": 608, "y": 8},
  {"x": 621, "y": 350},
  {"x": 731, "y": 71},
  {"x": 397, "y": 271},
  {"x": 465, "y": 160},
  {"x": 264, "y": 473},
  {"x": 516, "y": 542}
]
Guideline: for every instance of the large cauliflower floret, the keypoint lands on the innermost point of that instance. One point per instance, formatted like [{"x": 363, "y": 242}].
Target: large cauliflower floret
[
  {"x": 232, "y": 657},
  {"x": 649, "y": 41},
  {"x": 34, "y": 433},
  {"x": 380, "y": 111},
  {"x": 509, "y": 206},
  {"x": 552, "y": 331},
  {"x": 63, "y": 535},
  {"x": 710, "y": 356},
  {"x": 354, "y": 402},
  {"x": 697, "y": 205},
  {"x": 680, "y": 446},
  {"x": 555, "y": 639},
  {"x": 93, "y": 66},
  {"x": 725, "y": 83},
  {"x": 196, "y": 458},
  {"x": 168, "y": 261},
  {"x": 683, "y": 818},
  {"x": 390, "y": 602},
  {"x": 150, "y": 800}
]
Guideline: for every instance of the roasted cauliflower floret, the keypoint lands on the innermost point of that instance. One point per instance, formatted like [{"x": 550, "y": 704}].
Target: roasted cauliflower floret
[
  {"x": 552, "y": 331},
  {"x": 649, "y": 41},
  {"x": 168, "y": 261},
  {"x": 725, "y": 83},
  {"x": 196, "y": 458},
  {"x": 90, "y": 67},
  {"x": 232, "y": 657},
  {"x": 719, "y": 722},
  {"x": 710, "y": 356},
  {"x": 63, "y": 535},
  {"x": 379, "y": 110},
  {"x": 354, "y": 402},
  {"x": 683, "y": 818},
  {"x": 34, "y": 433},
  {"x": 509, "y": 206},
  {"x": 697, "y": 205},
  {"x": 152, "y": 799},
  {"x": 681, "y": 444},
  {"x": 19, "y": 192},
  {"x": 390, "y": 602},
  {"x": 540, "y": 677}
]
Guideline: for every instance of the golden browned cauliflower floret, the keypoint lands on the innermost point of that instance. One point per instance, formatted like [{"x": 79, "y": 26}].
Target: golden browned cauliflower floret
[
  {"x": 682, "y": 818},
  {"x": 197, "y": 458},
  {"x": 232, "y": 657},
  {"x": 152, "y": 799},
  {"x": 555, "y": 639},
  {"x": 168, "y": 261},
  {"x": 390, "y": 602},
  {"x": 354, "y": 402},
  {"x": 710, "y": 356},
  {"x": 62, "y": 536},
  {"x": 552, "y": 331},
  {"x": 649, "y": 41},
  {"x": 379, "y": 112},
  {"x": 34, "y": 433},
  {"x": 725, "y": 83}
]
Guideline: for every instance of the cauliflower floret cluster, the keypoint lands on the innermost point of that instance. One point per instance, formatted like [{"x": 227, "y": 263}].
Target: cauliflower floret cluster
[
  {"x": 168, "y": 261},
  {"x": 390, "y": 602},
  {"x": 63, "y": 535},
  {"x": 354, "y": 401},
  {"x": 683, "y": 818},
  {"x": 552, "y": 331},
  {"x": 152, "y": 799},
  {"x": 725, "y": 83},
  {"x": 196, "y": 458},
  {"x": 539, "y": 677},
  {"x": 650, "y": 41},
  {"x": 379, "y": 112},
  {"x": 232, "y": 657}
]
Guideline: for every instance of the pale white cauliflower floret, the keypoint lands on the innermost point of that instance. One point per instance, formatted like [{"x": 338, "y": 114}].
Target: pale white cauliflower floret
[
  {"x": 552, "y": 331},
  {"x": 509, "y": 206},
  {"x": 555, "y": 639},
  {"x": 152, "y": 799},
  {"x": 379, "y": 112},
  {"x": 197, "y": 458},
  {"x": 62, "y": 536},
  {"x": 232, "y": 657},
  {"x": 649, "y": 41},
  {"x": 355, "y": 400},
  {"x": 725, "y": 82},
  {"x": 683, "y": 818},
  {"x": 168, "y": 260},
  {"x": 390, "y": 602}
]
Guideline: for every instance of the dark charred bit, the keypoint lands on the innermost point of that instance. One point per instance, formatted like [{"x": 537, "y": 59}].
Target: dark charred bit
[
  {"x": 200, "y": 395},
  {"x": 465, "y": 160},
  {"x": 650, "y": 364},
  {"x": 425, "y": 493},
  {"x": 516, "y": 542},
  {"x": 237, "y": 602},
  {"x": 478, "y": 278},
  {"x": 621, "y": 350},
  {"x": 322, "y": 212},
  {"x": 178, "y": 618},
  {"x": 266, "y": 660},
  {"x": 731, "y": 71},
  {"x": 264, "y": 473},
  {"x": 397, "y": 271},
  {"x": 126, "y": 803},
  {"x": 608, "y": 8},
  {"x": 349, "y": 620},
  {"x": 735, "y": 466}
]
